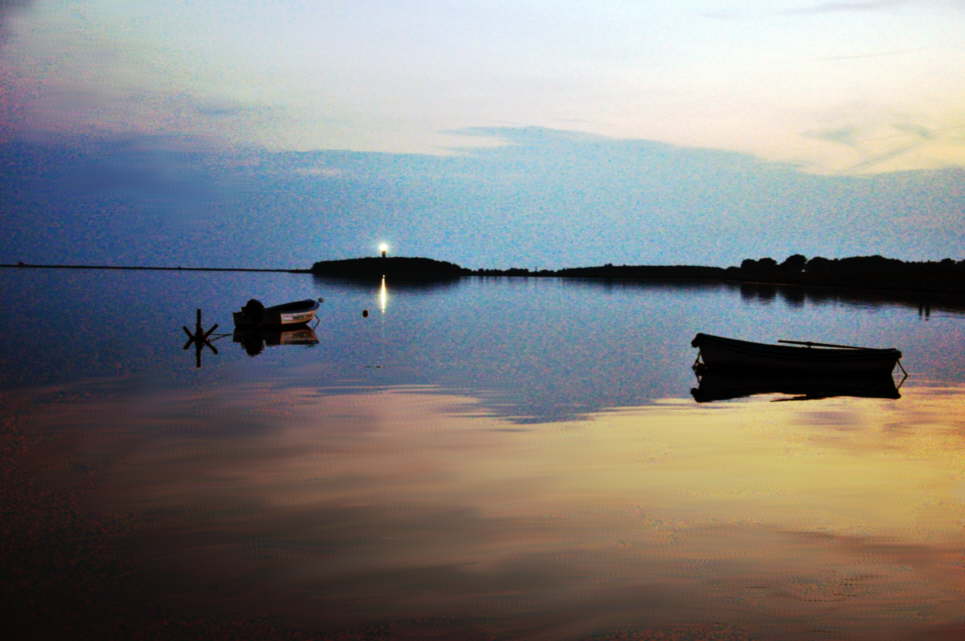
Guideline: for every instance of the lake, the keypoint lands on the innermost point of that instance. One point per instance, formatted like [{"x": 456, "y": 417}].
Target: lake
[{"x": 486, "y": 459}]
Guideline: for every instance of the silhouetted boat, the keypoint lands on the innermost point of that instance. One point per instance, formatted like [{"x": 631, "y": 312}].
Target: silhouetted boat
[
  {"x": 728, "y": 354},
  {"x": 721, "y": 386},
  {"x": 255, "y": 339},
  {"x": 254, "y": 314}
]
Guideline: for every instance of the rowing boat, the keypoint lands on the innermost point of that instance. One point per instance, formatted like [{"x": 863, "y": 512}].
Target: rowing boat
[
  {"x": 254, "y": 314},
  {"x": 728, "y": 354}
]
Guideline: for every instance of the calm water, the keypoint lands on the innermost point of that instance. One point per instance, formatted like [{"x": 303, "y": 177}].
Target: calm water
[{"x": 491, "y": 459}]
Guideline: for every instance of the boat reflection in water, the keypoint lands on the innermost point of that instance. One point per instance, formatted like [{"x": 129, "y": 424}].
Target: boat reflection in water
[
  {"x": 727, "y": 368},
  {"x": 254, "y": 340},
  {"x": 722, "y": 386}
]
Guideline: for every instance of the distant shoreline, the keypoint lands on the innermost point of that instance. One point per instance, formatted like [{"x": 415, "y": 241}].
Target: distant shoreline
[
  {"x": 945, "y": 278},
  {"x": 155, "y": 269}
]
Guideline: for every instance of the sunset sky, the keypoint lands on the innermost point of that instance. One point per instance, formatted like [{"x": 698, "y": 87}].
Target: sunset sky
[{"x": 528, "y": 133}]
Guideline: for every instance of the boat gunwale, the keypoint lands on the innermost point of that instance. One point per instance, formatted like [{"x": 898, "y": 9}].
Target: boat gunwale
[
  {"x": 308, "y": 304},
  {"x": 813, "y": 352}
]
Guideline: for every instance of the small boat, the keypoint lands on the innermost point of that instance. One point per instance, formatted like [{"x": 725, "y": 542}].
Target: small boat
[
  {"x": 293, "y": 314},
  {"x": 728, "y": 354},
  {"x": 722, "y": 386}
]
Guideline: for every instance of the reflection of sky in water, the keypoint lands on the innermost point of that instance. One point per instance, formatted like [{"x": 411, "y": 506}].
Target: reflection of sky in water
[
  {"x": 518, "y": 459},
  {"x": 426, "y": 513},
  {"x": 531, "y": 349}
]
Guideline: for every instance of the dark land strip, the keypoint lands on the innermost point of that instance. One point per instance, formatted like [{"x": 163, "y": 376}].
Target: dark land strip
[
  {"x": 155, "y": 269},
  {"x": 932, "y": 281},
  {"x": 861, "y": 272}
]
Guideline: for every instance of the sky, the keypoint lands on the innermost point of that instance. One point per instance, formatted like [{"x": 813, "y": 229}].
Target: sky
[{"x": 527, "y": 133}]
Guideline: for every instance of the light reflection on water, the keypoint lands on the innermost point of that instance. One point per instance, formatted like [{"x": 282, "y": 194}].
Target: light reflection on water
[
  {"x": 533, "y": 350},
  {"x": 511, "y": 459},
  {"x": 422, "y": 513}
]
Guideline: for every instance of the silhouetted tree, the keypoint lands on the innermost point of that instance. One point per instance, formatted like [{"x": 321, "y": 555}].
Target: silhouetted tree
[
  {"x": 794, "y": 264},
  {"x": 818, "y": 265}
]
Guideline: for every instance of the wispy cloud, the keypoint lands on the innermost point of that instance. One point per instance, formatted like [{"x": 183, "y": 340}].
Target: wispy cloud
[
  {"x": 841, "y": 135},
  {"x": 874, "y": 162},
  {"x": 905, "y": 138},
  {"x": 823, "y": 7},
  {"x": 838, "y": 7},
  {"x": 876, "y": 54},
  {"x": 322, "y": 172},
  {"x": 916, "y": 131},
  {"x": 7, "y": 8},
  {"x": 888, "y": 145},
  {"x": 219, "y": 109},
  {"x": 558, "y": 198},
  {"x": 723, "y": 14}
]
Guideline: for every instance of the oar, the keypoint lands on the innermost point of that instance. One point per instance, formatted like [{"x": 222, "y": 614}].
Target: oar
[{"x": 813, "y": 344}]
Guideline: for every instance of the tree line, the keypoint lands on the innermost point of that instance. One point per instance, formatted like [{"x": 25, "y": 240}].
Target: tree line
[{"x": 856, "y": 271}]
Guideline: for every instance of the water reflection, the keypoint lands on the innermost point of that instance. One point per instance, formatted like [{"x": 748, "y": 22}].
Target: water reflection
[
  {"x": 200, "y": 338},
  {"x": 533, "y": 349},
  {"x": 716, "y": 386},
  {"x": 399, "y": 284},
  {"x": 383, "y": 296},
  {"x": 793, "y": 296},
  {"x": 254, "y": 340},
  {"x": 415, "y": 513},
  {"x": 758, "y": 292}
]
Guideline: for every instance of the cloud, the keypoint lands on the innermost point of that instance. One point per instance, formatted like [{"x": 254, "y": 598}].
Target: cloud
[
  {"x": 723, "y": 14},
  {"x": 7, "y": 9},
  {"x": 916, "y": 131},
  {"x": 821, "y": 8},
  {"x": 323, "y": 172},
  {"x": 871, "y": 163},
  {"x": 9, "y": 6},
  {"x": 841, "y": 135},
  {"x": 839, "y": 7},
  {"x": 868, "y": 142},
  {"x": 879, "y": 54},
  {"x": 541, "y": 198},
  {"x": 218, "y": 109}
]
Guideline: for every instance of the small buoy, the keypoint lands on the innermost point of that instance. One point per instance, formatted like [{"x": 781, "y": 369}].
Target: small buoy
[{"x": 365, "y": 313}]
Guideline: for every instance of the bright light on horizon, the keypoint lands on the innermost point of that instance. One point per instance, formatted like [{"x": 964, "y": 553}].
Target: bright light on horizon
[{"x": 383, "y": 248}]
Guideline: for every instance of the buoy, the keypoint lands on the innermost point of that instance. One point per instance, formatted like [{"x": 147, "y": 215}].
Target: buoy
[{"x": 365, "y": 313}]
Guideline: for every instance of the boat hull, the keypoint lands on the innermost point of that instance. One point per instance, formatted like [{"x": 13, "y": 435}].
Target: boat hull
[
  {"x": 721, "y": 386},
  {"x": 727, "y": 354}
]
